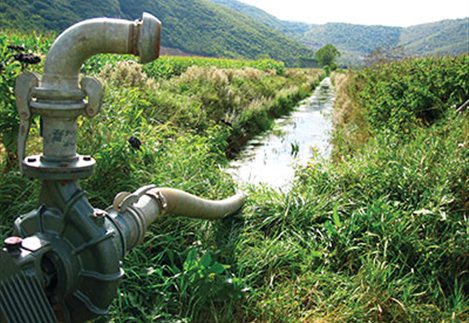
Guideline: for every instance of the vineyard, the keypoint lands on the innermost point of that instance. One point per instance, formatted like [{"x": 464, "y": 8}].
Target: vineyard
[{"x": 377, "y": 234}]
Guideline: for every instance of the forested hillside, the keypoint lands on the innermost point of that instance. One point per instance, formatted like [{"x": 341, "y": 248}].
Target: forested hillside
[
  {"x": 443, "y": 37},
  {"x": 291, "y": 28},
  {"x": 356, "y": 42},
  {"x": 194, "y": 26},
  {"x": 229, "y": 28},
  {"x": 353, "y": 41},
  {"x": 44, "y": 15}
]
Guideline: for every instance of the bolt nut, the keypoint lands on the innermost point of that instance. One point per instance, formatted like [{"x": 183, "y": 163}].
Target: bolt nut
[
  {"x": 99, "y": 213},
  {"x": 13, "y": 245},
  {"x": 99, "y": 216}
]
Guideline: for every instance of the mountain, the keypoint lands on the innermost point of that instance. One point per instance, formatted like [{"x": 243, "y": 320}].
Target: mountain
[
  {"x": 353, "y": 41},
  {"x": 230, "y": 28},
  {"x": 290, "y": 28},
  {"x": 45, "y": 15},
  {"x": 356, "y": 42},
  {"x": 192, "y": 26},
  {"x": 445, "y": 37}
]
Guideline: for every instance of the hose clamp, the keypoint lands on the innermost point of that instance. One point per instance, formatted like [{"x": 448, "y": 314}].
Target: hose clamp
[
  {"x": 159, "y": 198},
  {"x": 124, "y": 200}
]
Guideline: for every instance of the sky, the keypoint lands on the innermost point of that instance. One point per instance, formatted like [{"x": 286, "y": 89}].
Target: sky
[{"x": 402, "y": 13}]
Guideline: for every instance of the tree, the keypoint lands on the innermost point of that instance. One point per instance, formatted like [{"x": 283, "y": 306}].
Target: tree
[{"x": 326, "y": 55}]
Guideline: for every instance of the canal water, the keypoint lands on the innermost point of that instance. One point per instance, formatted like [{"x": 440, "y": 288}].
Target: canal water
[{"x": 272, "y": 158}]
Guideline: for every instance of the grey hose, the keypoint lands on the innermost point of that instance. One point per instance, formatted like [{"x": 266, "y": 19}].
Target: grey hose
[
  {"x": 133, "y": 213},
  {"x": 180, "y": 203}
]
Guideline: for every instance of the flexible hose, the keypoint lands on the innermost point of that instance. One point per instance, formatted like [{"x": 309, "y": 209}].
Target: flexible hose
[
  {"x": 180, "y": 203},
  {"x": 132, "y": 214}
]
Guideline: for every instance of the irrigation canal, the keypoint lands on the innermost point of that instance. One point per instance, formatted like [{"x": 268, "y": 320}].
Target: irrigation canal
[{"x": 272, "y": 158}]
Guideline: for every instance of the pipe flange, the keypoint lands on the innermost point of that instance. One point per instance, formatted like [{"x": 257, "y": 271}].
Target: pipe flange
[
  {"x": 78, "y": 168},
  {"x": 42, "y": 93},
  {"x": 149, "y": 38}
]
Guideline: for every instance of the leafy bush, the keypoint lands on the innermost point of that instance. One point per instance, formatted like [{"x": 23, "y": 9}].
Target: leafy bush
[
  {"x": 16, "y": 53},
  {"x": 397, "y": 95}
]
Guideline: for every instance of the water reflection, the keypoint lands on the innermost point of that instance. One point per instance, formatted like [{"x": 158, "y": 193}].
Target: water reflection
[{"x": 271, "y": 158}]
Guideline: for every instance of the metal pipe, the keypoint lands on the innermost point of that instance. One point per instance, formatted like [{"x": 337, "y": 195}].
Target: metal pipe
[
  {"x": 95, "y": 36},
  {"x": 60, "y": 98}
]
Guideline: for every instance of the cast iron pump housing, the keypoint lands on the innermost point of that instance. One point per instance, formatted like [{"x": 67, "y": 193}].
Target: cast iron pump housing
[{"x": 65, "y": 261}]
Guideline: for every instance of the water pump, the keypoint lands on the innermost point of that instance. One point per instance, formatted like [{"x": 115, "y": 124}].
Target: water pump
[{"x": 65, "y": 261}]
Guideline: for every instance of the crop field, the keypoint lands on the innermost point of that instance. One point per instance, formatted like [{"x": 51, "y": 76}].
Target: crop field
[{"x": 378, "y": 233}]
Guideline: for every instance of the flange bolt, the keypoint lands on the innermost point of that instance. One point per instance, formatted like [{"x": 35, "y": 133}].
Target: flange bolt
[{"x": 99, "y": 216}]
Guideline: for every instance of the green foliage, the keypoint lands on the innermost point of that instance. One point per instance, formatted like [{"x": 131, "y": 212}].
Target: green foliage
[
  {"x": 203, "y": 280},
  {"x": 10, "y": 68},
  {"x": 169, "y": 66},
  {"x": 398, "y": 95},
  {"x": 327, "y": 55},
  {"x": 8, "y": 118},
  {"x": 411, "y": 176}
]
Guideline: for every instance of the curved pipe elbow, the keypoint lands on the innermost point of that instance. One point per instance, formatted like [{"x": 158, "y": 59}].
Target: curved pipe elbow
[
  {"x": 96, "y": 36},
  {"x": 180, "y": 203}
]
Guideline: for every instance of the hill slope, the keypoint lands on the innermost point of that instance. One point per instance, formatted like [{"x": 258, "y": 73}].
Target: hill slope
[
  {"x": 441, "y": 38},
  {"x": 357, "y": 41},
  {"x": 290, "y": 28},
  {"x": 195, "y": 26},
  {"x": 447, "y": 37},
  {"x": 201, "y": 27},
  {"x": 353, "y": 41},
  {"x": 54, "y": 15}
]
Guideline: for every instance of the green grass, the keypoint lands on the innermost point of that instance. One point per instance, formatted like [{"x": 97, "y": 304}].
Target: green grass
[
  {"x": 381, "y": 234},
  {"x": 168, "y": 66}
]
